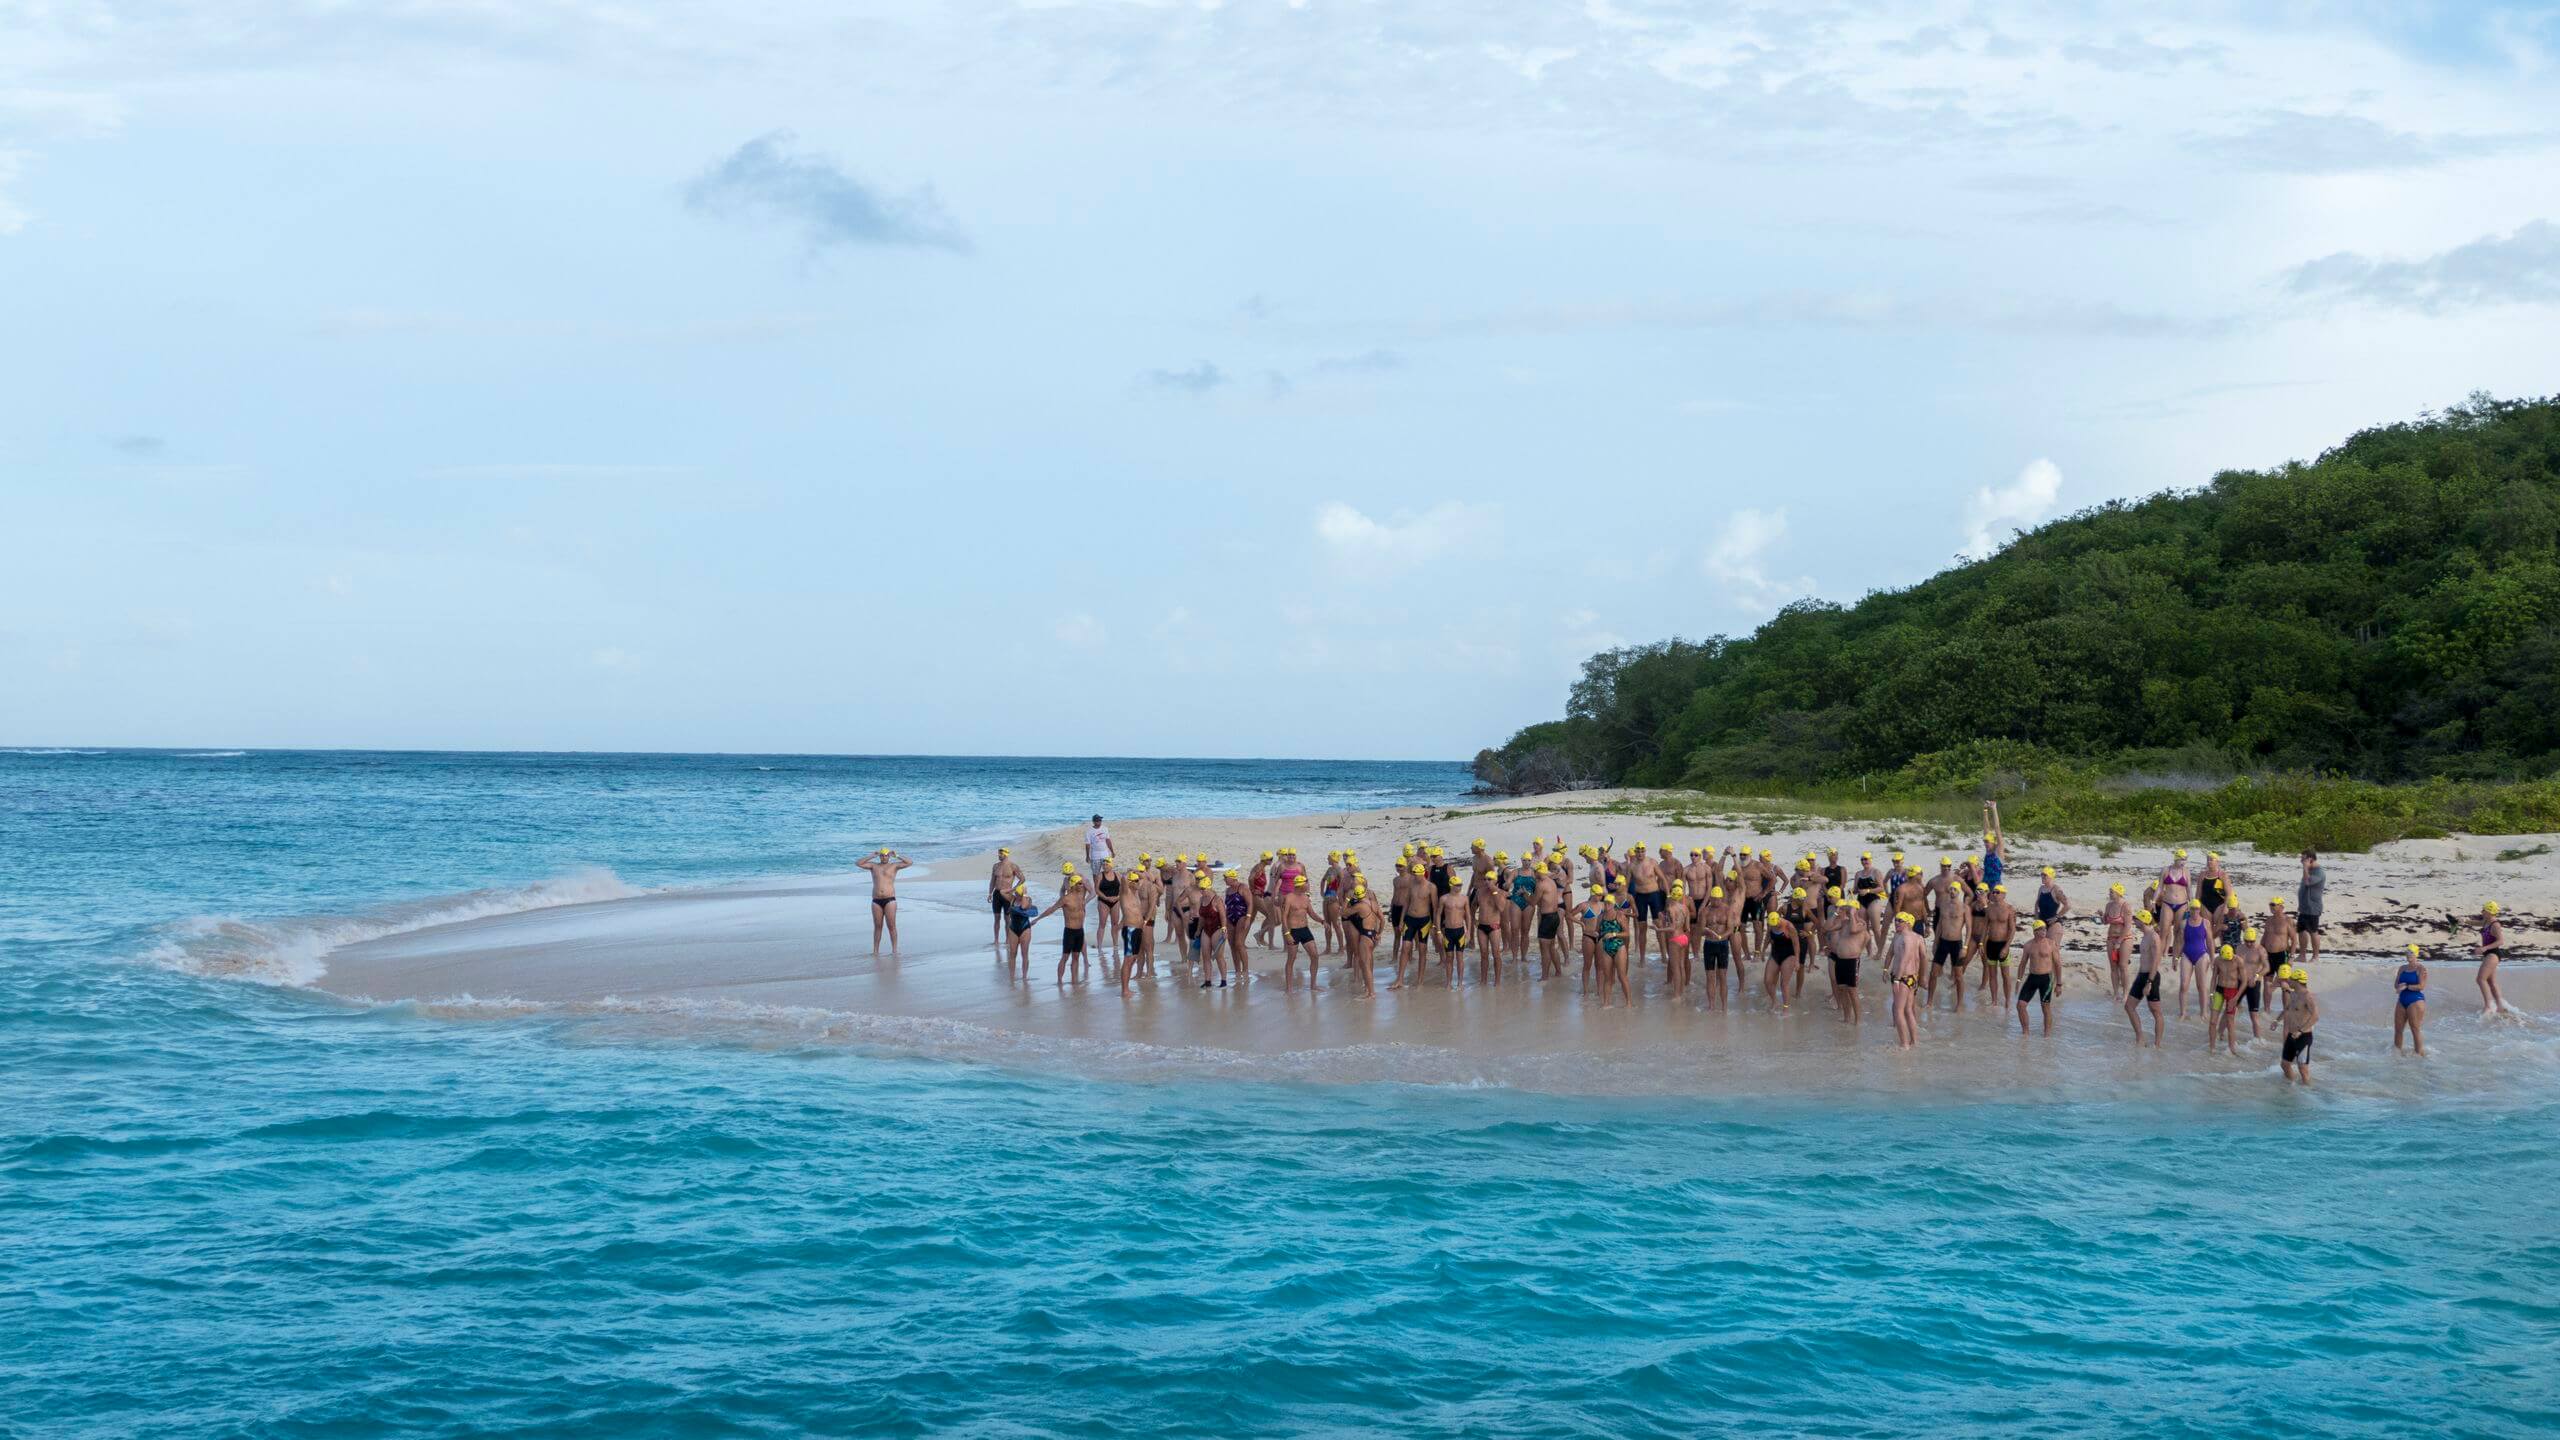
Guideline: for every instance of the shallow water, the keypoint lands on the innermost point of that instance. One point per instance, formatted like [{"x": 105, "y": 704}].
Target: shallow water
[{"x": 243, "y": 1209}]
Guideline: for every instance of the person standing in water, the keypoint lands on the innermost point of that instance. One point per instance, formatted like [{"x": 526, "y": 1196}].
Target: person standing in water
[
  {"x": 2118, "y": 915},
  {"x": 1019, "y": 916},
  {"x": 2301, "y": 1012},
  {"x": 2043, "y": 982},
  {"x": 1361, "y": 924},
  {"x": 884, "y": 867},
  {"x": 1073, "y": 896},
  {"x": 1902, "y": 974},
  {"x": 2409, "y": 1010},
  {"x": 1000, "y": 888},
  {"x": 2145, "y": 987},
  {"x": 1845, "y": 931},
  {"x": 2493, "y": 949}
]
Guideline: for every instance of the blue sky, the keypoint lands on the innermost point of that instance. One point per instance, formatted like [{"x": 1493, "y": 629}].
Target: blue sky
[{"x": 1304, "y": 379}]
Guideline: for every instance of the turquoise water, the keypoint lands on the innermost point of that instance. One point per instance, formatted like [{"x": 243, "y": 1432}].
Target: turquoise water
[{"x": 241, "y": 1209}]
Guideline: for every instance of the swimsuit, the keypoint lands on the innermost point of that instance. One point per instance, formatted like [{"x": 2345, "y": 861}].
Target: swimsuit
[
  {"x": 884, "y": 901},
  {"x": 2036, "y": 987},
  {"x": 2411, "y": 995},
  {"x": 2297, "y": 1048},
  {"x": 2146, "y": 986}
]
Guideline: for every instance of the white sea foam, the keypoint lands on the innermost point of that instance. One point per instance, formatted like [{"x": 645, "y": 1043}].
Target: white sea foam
[
  {"x": 296, "y": 951},
  {"x": 42, "y": 750},
  {"x": 210, "y": 754}
]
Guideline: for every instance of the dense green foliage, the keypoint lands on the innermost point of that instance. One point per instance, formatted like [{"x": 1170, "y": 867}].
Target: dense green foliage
[{"x": 2388, "y": 612}]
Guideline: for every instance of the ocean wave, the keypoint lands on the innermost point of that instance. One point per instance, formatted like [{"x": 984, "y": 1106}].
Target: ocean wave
[
  {"x": 209, "y": 754},
  {"x": 45, "y": 750},
  {"x": 296, "y": 951}
]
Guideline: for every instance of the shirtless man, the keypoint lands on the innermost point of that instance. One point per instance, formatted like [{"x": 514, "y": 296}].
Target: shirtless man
[
  {"x": 1450, "y": 911},
  {"x": 2118, "y": 915},
  {"x": 1757, "y": 877},
  {"x": 1137, "y": 930},
  {"x": 1073, "y": 896},
  {"x": 1485, "y": 910},
  {"x": 1296, "y": 911},
  {"x": 1902, "y": 979},
  {"x": 1700, "y": 874},
  {"x": 2281, "y": 935},
  {"x": 1951, "y": 919},
  {"x": 1845, "y": 932},
  {"x": 884, "y": 867},
  {"x": 1644, "y": 883},
  {"x": 2223, "y": 1005},
  {"x": 1000, "y": 889},
  {"x": 1548, "y": 901},
  {"x": 2043, "y": 981},
  {"x": 1412, "y": 936},
  {"x": 1910, "y": 894},
  {"x": 2301, "y": 1012},
  {"x": 2145, "y": 986},
  {"x": 1716, "y": 924},
  {"x": 1999, "y": 931},
  {"x": 2254, "y": 977}
]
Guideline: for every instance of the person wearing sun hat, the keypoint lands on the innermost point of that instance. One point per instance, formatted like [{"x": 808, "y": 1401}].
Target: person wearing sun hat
[
  {"x": 884, "y": 865},
  {"x": 2301, "y": 1012}
]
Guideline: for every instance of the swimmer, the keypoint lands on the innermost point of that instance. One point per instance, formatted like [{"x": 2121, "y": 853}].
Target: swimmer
[
  {"x": 2493, "y": 950},
  {"x": 1902, "y": 980},
  {"x": 2145, "y": 986},
  {"x": 2223, "y": 1004},
  {"x": 2409, "y": 1007},
  {"x": 1297, "y": 909},
  {"x": 1073, "y": 896},
  {"x": 1000, "y": 880},
  {"x": 2301, "y": 1012},
  {"x": 2043, "y": 982},
  {"x": 884, "y": 866}
]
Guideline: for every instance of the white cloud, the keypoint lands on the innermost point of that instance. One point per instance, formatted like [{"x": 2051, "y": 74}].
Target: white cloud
[
  {"x": 1995, "y": 510},
  {"x": 1738, "y": 559},
  {"x": 12, "y": 218},
  {"x": 339, "y": 585},
  {"x": 1352, "y": 535},
  {"x": 614, "y": 657},
  {"x": 1081, "y": 631}
]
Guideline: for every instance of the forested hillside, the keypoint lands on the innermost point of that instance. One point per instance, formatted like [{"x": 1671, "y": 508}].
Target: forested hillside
[{"x": 2389, "y": 611}]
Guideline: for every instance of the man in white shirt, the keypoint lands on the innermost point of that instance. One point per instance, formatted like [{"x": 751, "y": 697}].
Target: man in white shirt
[{"x": 1097, "y": 844}]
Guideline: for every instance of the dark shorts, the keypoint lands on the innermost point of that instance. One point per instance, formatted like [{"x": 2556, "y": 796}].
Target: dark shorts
[
  {"x": 1303, "y": 935},
  {"x": 1649, "y": 906},
  {"x": 1547, "y": 926},
  {"x": 1414, "y": 927},
  {"x": 1071, "y": 941},
  {"x": 1843, "y": 972},
  {"x": 2298, "y": 1048},
  {"x": 1132, "y": 940},
  {"x": 1395, "y": 915},
  {"x": 1995, "y": 952},
  {"x": 2307, "y": 922},
  {"x": 2251, "y": 993},
  {"x": 1717, "y": 954},
  {"x": 2036, "y": 987},
  {"x": 1455, "y": 936},
  {"x": 996, "y": 903},
  {"x": 1946, "y": 952},
  {"x": 1753, "y": 910},
  {"x": 2145, "y": 987}
]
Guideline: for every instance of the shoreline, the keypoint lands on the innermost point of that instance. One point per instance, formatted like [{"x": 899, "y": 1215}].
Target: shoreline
[{"x": 788, "y": 959}]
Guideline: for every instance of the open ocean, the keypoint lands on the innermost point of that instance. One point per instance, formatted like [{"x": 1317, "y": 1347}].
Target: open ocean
[{"x": 246, "y": 1209}]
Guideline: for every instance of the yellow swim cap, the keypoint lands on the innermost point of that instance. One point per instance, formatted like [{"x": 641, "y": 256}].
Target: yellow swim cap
[
  {"x": 1302, "y": 882},
  {"x": 1716, "y": 894},
  {"x": 2227, "y": 950},
  {"x": 2142, "y": 915},
  {"x": 1204, "y": 882},
  {"x": 2048, "y": 870},
  {"x": 2115, "y": 889},
  {"x": 1679, "y": 889},
  {"x": 1904, "y": 916},
  {"x": 1834, "y": 892},
  {"x": 1020, "y": 886},
  {"x": 1359, "y": 891},
  {"x": 1797, "y": 893},
  {"x": 884, "y": 849},
  {"x": 2488, "y": 907},
  {"x": 1943, "y": 860},
  {"x": 2177, "y": 854},
  {"x": 2413, "y": 951}
]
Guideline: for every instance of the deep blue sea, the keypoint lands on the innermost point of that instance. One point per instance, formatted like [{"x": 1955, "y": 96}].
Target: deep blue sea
[{"x": 244, "y": 1209}]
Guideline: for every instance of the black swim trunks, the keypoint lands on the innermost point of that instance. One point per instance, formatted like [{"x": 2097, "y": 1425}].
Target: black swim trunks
[
  {"x": 1995, "y": 952},
  {"x": 1717, "y": 954},
  {"x": 1455, "y": 935},
  {"x": 2297, "y": 1047},
  {"x": 1303, "y": 935},
  {"x": 1754, "y": 908},
  {"x": 1547, "y": 925},
  {"x": 2036, "y": 987},
  {"x": 1415, "y": 927},
  {"x": 1947, "y": 952},
  {"x": 1844, "y": 970},
  {"x": 1071, "y": 942},
  {"x": 1649, "y": 905},
  {"x": 2145, "y": 987}
]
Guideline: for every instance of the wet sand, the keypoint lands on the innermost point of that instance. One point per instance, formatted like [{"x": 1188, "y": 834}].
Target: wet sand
[{"x": 793, "y": 962}]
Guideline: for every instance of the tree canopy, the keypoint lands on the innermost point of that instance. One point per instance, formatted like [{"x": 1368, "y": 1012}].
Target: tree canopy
[{"x": 2387, "y": 611}]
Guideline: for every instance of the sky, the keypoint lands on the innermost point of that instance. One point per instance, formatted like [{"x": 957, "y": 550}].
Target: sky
[{"x": 1301, "y": 378}]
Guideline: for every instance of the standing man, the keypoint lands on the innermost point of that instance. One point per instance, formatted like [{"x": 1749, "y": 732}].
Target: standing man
[
  {"x": 2301, "y": 1012},
  {"x": 1953, "y": 922},
  {"x": 2043, "y": 980},
  {"x": 1999, "y": 928},
  {"x": 1000, "y": 888},
  {"x": 1846, "y": 930},
  {"x": 1073, "y": 896},
  {"x": 884, "y": 868},
  {"x": 1097, "y": 844},
  {"x": 2307, "y": 901},
  {"x": 2146, "y": 979},
  {"x": 1296, "y": 910}
]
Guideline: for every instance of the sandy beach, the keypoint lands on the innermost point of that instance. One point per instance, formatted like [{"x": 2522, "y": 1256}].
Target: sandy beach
[{"x": 793, "y": 960}]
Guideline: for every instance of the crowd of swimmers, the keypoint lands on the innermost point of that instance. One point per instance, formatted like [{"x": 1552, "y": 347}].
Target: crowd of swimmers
[{"x": 1604, "y": 918}]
